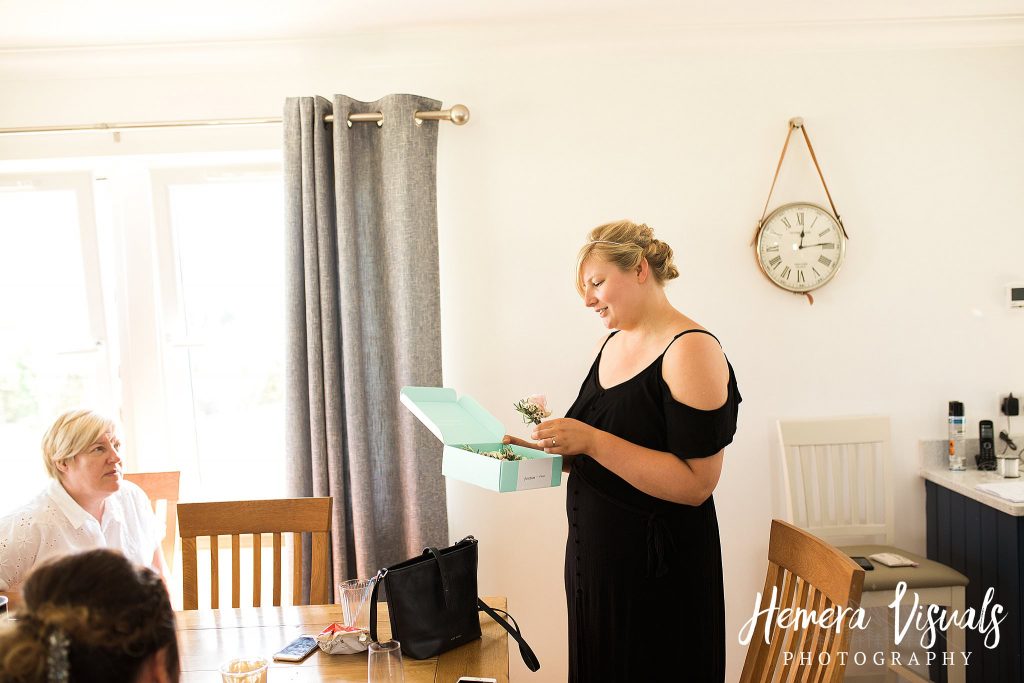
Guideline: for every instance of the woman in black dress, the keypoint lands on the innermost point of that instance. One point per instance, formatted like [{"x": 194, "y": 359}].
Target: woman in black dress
[{"x": 643, "y": 443}]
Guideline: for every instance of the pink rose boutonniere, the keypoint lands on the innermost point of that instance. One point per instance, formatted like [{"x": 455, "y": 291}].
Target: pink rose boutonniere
[{"x": 533, "y": 408}]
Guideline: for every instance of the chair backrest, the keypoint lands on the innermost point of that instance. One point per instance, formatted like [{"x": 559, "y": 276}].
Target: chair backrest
[
  {"x": 837, "y": 477},
  {"x": 162, "y": 486},
  {"x": 256, "y": 517},
  {"x": 805, "y": 572}
]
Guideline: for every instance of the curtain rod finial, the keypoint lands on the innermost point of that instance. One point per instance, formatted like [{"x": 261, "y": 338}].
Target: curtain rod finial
[{"x": 460, "y": 114}]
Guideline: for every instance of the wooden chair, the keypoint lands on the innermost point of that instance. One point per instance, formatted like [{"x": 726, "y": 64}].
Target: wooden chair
[
  {"x": 838, "y": 478},
  {"x": 256, "y": 517},
  {"x": 162, "y": 486},
  {"x": 806, "y": 573}
]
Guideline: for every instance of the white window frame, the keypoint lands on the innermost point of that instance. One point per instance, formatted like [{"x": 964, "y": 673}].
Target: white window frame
[
  {"x": 97, "y": 341},
  {"x": 82, "y": 186},
  {"x": 129, "y": 265},
  {"x": 176, "y": 377}
]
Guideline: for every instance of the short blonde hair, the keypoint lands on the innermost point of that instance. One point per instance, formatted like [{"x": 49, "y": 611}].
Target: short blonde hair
[
  {"x": 624, "y": 244},
  {"x": 72, "y": 433}
]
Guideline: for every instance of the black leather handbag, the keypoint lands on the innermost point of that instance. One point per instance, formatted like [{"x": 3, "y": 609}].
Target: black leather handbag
[{"x": 433, "y": 604}]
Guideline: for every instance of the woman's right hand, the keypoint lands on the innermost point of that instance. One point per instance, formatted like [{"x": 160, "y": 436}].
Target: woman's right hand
[{"x": 516, "y": 441}]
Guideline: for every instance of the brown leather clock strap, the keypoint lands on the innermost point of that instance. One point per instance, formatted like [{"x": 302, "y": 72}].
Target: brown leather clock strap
[
  {"x": 793, "y": 124},
  {"x": 814, "y": 158},
  {"x": 778, "y": 167}
]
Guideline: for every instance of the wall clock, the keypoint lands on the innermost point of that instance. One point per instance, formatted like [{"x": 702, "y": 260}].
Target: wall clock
[{"x": 800, "y": 246}]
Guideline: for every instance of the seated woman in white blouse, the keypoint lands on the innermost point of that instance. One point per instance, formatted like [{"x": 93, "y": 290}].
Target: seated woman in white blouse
[{"x": 86, "y": 506}]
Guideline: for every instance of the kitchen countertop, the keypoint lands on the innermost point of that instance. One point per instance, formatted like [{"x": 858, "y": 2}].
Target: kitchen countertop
[{"x": 934, "y": 461}]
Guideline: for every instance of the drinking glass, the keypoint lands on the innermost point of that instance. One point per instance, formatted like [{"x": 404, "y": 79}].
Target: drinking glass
[
  {"x": 385, "y": 662},
  {"x": 355, "y": 601},
  {"x": 244, "y": 670}
]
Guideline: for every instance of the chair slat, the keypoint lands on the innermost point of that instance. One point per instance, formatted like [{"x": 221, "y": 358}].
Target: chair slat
[
  {"x": 822, "y": 455},
  {"x": 257, "y": 559},
  {"x": 214, "y": 572},
  {"x": 236, "y": 571},
  {"x": 189, "y": 571},
  {"x": 832, "y": 647},
  {"x": 793, "y": 636},
  {"x": 277, "y": 569},
  {"x": 838, "y": 484},
  {"x": 806, "y": 463},
  {"x": 851, "y": 477},
  {"x": 797, "y": 643},
  {"x": 318, "y": 588},
  {"x": 870, "y": 482},
  {"x": 296, "y": 568},
  {"x": 777, "y": 639},
  {"x": 758, "y": 653},
  {"x": 815, "y": 637}
]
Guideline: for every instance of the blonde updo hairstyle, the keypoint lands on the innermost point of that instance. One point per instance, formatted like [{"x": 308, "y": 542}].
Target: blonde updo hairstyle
[
  {"x": 624, "y": 244},
  {"x": 71, "y": 434}
]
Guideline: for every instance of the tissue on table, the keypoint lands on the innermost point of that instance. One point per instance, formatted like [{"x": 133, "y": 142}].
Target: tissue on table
[{"x": 337, "y": 639}]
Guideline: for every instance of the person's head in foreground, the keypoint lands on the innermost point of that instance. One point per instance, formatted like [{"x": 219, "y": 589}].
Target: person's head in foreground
[{"x": 91, "y": 617}]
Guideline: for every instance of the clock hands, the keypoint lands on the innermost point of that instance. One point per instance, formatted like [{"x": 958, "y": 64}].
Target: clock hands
[{"x": 808, "y": 246}]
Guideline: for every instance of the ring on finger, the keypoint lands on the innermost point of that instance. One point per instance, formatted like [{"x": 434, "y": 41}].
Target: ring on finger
[{"x": 552, "y": 442}]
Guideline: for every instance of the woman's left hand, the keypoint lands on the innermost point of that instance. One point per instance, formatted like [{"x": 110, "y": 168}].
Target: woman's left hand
[{"x": 565, "y": 436}]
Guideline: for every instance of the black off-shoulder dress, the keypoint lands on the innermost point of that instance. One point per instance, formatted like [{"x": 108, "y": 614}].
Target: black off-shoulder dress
[{"x": 643, "y": 576}]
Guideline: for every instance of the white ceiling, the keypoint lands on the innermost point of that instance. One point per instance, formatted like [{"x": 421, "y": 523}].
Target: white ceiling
[{"x": 75, "y": 23}]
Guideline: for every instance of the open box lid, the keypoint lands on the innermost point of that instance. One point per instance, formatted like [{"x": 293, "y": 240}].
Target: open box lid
[{"x": 453, "y": 420}]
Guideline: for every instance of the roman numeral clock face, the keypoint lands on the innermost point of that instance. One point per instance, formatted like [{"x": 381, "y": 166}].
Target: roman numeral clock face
[{"x": 800, "y": 247}]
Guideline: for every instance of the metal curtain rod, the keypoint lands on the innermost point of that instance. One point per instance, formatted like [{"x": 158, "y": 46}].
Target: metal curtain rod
[{"x": 458, "y": 114}]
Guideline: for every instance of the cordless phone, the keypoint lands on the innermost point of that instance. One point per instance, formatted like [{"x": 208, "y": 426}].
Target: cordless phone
[{"x": 987, "y": 457}]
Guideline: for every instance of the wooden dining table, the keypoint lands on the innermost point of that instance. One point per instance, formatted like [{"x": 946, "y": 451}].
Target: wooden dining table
[{"x": 207, "y": 638}]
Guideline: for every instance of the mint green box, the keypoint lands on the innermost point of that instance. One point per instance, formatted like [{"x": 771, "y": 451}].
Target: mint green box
[{"x": 462, "y": 421}]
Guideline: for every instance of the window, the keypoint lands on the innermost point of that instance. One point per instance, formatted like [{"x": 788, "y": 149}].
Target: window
[
  {"x": 151, "y": 287},
  {"x": 53, "y": 341},
  {"x": 222, "y": 281}
]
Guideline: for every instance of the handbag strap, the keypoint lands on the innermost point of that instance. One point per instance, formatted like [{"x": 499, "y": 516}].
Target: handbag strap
[
  {"x": 444, "y": 575},
  {"x": 529, "y": 658},
  {"x": 373, "y": 603}
]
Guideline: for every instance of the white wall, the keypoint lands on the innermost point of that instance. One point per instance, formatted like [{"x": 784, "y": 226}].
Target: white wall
[{"x": 919, "y": 132}]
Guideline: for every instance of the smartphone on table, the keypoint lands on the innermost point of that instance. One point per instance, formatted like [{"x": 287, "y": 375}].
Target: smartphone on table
[
  {"x": 864, "y": 563},
  {"x": 297, "y": 650}
]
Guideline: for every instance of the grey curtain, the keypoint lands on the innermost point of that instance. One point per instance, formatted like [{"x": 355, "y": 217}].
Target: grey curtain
[{"x": 363, "y": 321}]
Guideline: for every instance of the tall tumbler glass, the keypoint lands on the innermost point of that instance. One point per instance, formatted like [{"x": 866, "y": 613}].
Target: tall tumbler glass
[
  {"x": 385, "y": 662},
  {"x": 355, "y": 601}
]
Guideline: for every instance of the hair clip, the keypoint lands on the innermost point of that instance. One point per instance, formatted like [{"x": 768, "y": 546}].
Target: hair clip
[{"x": 57, "y": 665}]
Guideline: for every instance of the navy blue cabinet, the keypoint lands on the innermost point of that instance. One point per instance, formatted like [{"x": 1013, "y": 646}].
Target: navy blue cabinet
[{"x": 988, "y": 547}]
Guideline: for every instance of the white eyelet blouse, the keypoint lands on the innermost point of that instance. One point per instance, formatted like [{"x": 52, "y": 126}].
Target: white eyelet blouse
[{"x": 53, "y": 524}]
